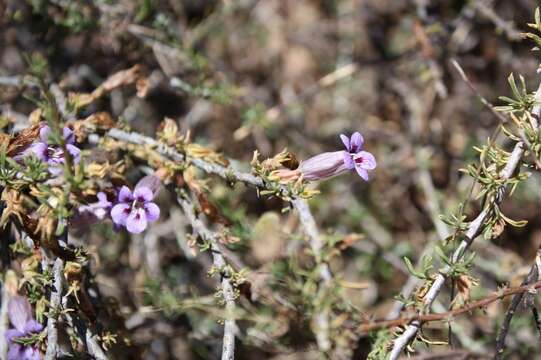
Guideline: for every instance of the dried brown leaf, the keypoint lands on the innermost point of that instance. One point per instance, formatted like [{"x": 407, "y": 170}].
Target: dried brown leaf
[
  {"x": 118, "y": 79},
  {"x": 22, "y": 140}
]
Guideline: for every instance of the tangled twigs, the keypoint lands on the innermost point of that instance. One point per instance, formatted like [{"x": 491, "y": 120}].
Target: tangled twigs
[
  {"x": 228, "y": 173},
  {"x": 532, "y": 277},
  {"x": 474, "y": 229},
  {"x": 230, "y": 328},
  {"x": 518, "y": 291}
]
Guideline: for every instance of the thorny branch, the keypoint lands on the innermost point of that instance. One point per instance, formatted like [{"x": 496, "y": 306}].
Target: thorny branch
[
  {"x": 474, "y": 230},
  {"x": 316, "y": 243},
  {"x": 211, "y": 168},
  {"x": 230, "y": 328},
  {"x": 54, "y": 305}
]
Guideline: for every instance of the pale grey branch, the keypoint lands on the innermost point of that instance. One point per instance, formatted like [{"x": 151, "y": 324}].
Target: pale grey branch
[
  {"x": 230, "y": 327},
  {"x": 54, "y": 305}
]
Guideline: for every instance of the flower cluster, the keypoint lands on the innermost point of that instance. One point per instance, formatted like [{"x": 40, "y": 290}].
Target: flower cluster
[
  {"x": 132, "y": 210},
  {"x": 53, "y": 154},
  {"x": 24, "y": 325},
  {"x": 329, "y": 164}
]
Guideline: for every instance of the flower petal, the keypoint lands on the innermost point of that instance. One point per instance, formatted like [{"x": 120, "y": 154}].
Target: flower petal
[
  {"x": 68, "y": 135},
  {"x": 40, "y": 149},
  {"x": 32, "y": 326},
  {"x": 120, "y": 213},
  {"x": 362, "y": 172},
  {"x": 54, "y": 168},
  {"x": 152, "y": 211},
  {"x": 137, "y": 221},
  {"x": 102, "y": 199},
  {"x": 143, "y": 194},
  {"x": 31, "y": 353},
  {"x": 368, "y": 160},
  {"x": 348, "y": 161},
  {"x": 20, "y": 312},
  {"x": 345, "y": 140},
  {"x": 125, "y": 195},
  {"x": 75, "y": 152},
  {"x": 16, "y": 352},
  {"x": 44, "y": 134},
  {"x": 356, "y": 142}
]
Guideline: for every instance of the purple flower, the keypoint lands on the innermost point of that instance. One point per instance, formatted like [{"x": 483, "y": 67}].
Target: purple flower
[
  {"x": 20, "y": 316},
  {"x": 329, "y": 164},
  {"x": 53, "y": 155},
  {"x": 135, "y": 209},
  {"x": 355, "y": 158}
]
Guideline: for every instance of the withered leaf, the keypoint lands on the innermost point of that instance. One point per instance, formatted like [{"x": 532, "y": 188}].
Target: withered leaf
[
  {"x": 348, "y": 241},
  {"x": 120, "y": 78},
  {"x": 210, "y": 210},
  {"x": 22, "y": 140},
  {"x": 198, "y": 151}
]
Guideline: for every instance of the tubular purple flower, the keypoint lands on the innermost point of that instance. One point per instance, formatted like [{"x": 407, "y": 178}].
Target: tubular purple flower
[
  {"x": 20, "y": 316},
  {"x": 135, "y": 210},
  {"x": 329, "y": 164},
  {"x": 323, "y": 166}
]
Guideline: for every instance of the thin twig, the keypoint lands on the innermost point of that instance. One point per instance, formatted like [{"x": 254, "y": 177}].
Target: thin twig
[
  {"x": 316, "y": 244},
  {"x": 93, "y": 346},
  {"x": 498, "y": 114},
  {"x": 477, "y": 93},
  {"x": 532, "y": 277},
  {"x": 507, "y": 27},
  {"x": 230, "y": 328},
  {"x": 54, "y": 306}
]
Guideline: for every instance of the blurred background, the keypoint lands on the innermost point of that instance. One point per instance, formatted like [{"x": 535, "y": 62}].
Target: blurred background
[{"x": 268, "y": 75}]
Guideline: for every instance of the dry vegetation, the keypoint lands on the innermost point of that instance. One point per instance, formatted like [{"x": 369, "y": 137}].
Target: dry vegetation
[{"x": 237, "y": 265}]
